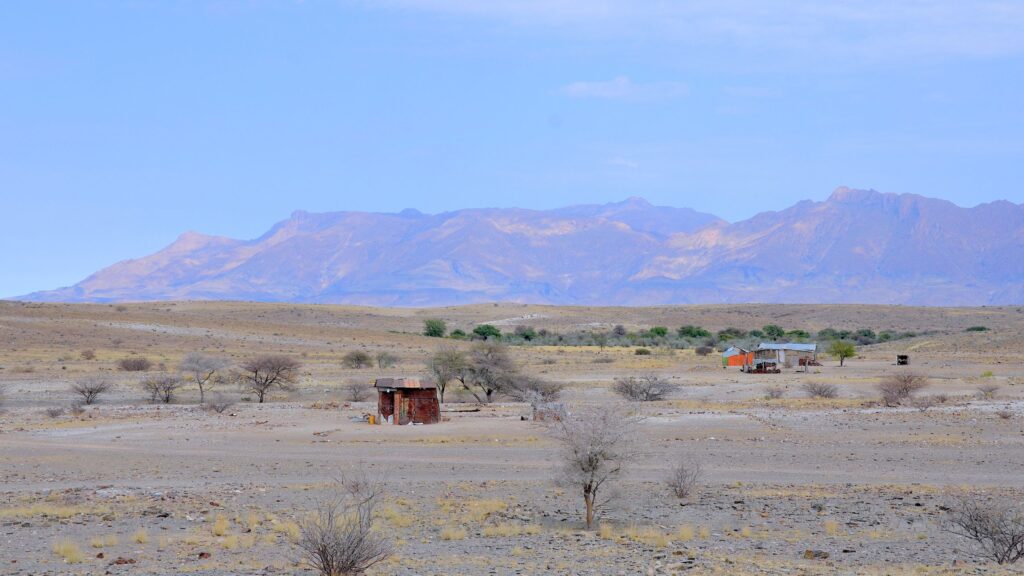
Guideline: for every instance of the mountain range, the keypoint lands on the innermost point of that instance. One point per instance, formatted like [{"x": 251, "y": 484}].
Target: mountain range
[{"x": 857, "y": 246}]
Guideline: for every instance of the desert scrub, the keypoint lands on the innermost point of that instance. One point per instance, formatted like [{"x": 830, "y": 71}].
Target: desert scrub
[
  {"x": 68, "y": 551},
  {"x": 831, "y": 527},
  {"x": 508, "y": 530},
  {"x": 140, "y": 536},
  {"x": 453, "y": 533},
  {"x": 397, "y": 518},
  {"x": 287, "y": 528},
  {"x": 648, "y": 536},
  {"x": 685, "y": 533},
  {"x": 220, "y": 525},
  {"x": 46, "y": 509}
]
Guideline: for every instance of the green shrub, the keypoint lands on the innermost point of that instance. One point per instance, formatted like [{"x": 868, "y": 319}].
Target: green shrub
[
  {"x": 434, "y": 327},
  {"x": 487, "y": 331}
]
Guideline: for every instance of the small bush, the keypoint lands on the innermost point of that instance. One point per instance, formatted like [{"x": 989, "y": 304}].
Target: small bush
[
  {"x": 77, "y": 408},
  {"x": 647, "y": 388},
  {"x": 703, "y": 350},
  {"x": 90, "y": 389},
  {"x": 603, "y": 360},
  {"x": 134, "y": 364},
  {"x": 357, "y": 391},
  {"x": 357, "y": 359},
  {"x": 900, "y": 387},
  {"x": 642, "y": 352},
  {"x": 1004, "y": 414},
  {"x": 683, "y": 479},
  {"x": 434, "y": 327},
  {"x": 340, "y": 539},
  {"x": 774, "y": 392},
  {"x": 923, "y": 403},
  {"x": 162, "y": 387},
  {"x": 54, "y": 412},
  {"x": 988, "y": 391},
  {"x": 995, "y": 528},
  {"x": 219, "y": 404},
  {"x": 88, "y": 354},
  {"x": 977, "y": 329},
  {"x": 820, "y": 390},
  {"x": 386, "y": 360}
]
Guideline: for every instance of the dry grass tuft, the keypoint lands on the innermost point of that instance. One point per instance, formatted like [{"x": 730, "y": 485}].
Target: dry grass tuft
[
  {"x": 453, "y": 533},
  {"x": 140, "y": 536},
  {"x": 508, "y": 530},
  {"x": 220, "y": 525},
  {"x": 68, "y": 551}
]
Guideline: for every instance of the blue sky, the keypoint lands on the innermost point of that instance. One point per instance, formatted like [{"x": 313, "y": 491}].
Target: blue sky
[{"x": 123, "y": 124}]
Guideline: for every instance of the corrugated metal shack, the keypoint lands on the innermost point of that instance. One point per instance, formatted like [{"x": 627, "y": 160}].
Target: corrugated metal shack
[
  {"x": 787, "y": 354},
  {"x": 407, "y": 401},
  {"x": 735, "y": 356}
]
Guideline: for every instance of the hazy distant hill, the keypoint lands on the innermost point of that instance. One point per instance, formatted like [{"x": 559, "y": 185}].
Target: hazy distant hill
[{"x": 857, "y": 246}]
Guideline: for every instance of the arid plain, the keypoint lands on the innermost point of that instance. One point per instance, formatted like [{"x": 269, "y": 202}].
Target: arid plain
[{"x": 791, "y": 485}]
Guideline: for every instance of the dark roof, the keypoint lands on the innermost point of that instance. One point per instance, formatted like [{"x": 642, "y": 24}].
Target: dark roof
[{"x": 404, "y": 383}]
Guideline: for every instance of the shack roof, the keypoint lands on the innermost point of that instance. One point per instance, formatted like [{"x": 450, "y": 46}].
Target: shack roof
[
  {"x": 404, "y": 383},
  {"x": 733, "y": 351},
  {"x": 812, "y": 347}
]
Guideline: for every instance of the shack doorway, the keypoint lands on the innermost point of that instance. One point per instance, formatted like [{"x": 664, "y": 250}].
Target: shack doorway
[{"x": 387, "y": 405}]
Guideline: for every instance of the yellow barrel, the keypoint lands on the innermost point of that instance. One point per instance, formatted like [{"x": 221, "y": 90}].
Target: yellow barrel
[{"x": 373, "y": 419}]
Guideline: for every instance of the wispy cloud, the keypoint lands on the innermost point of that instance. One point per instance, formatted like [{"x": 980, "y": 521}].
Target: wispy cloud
[
  {"x": 620, "y": 162},
  {"x": 874, "y": 28},
  {"x": 622, "y": 88}
]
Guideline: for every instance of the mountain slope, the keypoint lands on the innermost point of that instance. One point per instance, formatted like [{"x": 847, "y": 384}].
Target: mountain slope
[{"x": 857, "y": 246}]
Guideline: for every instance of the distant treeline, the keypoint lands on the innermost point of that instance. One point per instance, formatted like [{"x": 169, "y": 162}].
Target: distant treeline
[{"x": 688, "y": 336}]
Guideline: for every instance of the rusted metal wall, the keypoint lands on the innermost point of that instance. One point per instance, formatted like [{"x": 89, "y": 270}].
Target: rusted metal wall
[{"x": 421, "y": 406}]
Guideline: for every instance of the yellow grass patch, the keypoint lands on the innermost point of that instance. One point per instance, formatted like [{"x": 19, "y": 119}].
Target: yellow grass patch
[
  {"x": 508, "y": 530},
  {"x": 220, "y": 525},
  {"x": 453, "y": 533},
  {"x": 68, "y": 551},
  {"x": 52, "y": 510}
]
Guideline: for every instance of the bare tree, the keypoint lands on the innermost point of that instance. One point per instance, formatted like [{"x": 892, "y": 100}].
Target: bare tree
[
  {"x": 596, "y": 446},
  {"x": 357, "y": 359},
  {"x": 385, "y": 360},
  {"x": 90, "y": 389},
  {"x": 683, "y": 479},
  {"x": 820, "y": 390},
  {"x": 202, "y": 370},
  {"x": 901, "y": 386},
  {"x": 491, "y": 369},
  {"x": 446, "y": 365},
  {"x": 339, "y": 539},
  {"x": 535, "y": 392},
  {"x": 263, "y": 373},
  {"x": 995, "y": 529},
  {"x": 162, "y": 387},
  {"x": 646, "y": 388},
  {"x": 357, "y": 391}
]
